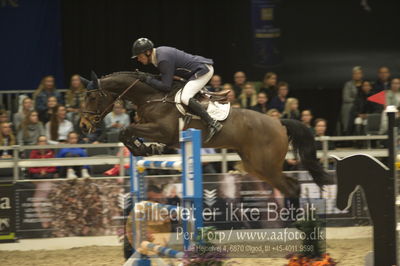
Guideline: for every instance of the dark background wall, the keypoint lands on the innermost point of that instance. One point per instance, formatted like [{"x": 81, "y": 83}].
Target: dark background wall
[
  {"x": 320, "y": 42},
  {"x": 30, "y": 43}
]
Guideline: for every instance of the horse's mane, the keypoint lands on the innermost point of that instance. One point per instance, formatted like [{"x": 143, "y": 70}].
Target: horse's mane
[
  {"x": 135, "y": 74},
  {"x": 175, "y": 84}
]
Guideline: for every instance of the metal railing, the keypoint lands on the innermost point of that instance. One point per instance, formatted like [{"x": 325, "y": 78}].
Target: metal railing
[{"x": 17, "y": 162}]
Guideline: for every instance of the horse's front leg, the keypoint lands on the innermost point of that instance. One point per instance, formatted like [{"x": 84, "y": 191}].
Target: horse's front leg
[{"x": 130, "y": 137}]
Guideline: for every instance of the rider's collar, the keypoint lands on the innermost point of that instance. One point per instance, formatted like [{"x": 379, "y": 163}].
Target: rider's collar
[{"x": 153, "y": 57}]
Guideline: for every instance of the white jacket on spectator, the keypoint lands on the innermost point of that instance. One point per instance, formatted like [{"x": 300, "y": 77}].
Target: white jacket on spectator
[
  {"x": 63, "y": 129},
  {"x": 112, "y": 118}
]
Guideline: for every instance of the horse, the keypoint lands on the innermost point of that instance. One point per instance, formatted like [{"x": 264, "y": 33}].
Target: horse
[{"x": 261, "y": 141}]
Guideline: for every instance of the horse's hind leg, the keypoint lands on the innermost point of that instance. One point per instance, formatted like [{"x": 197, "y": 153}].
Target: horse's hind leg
[{"x": 260, "y": 162}]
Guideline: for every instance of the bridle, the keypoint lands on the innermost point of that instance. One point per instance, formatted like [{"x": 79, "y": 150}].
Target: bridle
[{"x": 97, "y": 116}]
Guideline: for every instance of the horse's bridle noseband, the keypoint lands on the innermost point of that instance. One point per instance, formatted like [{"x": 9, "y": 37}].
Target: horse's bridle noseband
[{"x": 98, "y": 116}]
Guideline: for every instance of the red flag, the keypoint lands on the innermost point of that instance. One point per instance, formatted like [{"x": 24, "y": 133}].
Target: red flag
[{"x": 379, "y": 97}]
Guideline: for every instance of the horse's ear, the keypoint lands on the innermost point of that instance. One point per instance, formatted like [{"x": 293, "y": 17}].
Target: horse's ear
[
  {"x": 95, "y": 80},
  {"x": 84, "y": 81}
]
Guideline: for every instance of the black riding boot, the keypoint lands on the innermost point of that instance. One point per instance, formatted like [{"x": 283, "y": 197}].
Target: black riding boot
[{"x": 213, "y": 125}]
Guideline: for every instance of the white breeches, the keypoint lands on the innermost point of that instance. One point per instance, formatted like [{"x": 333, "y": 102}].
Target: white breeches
[{"x": 194, "y": 86}]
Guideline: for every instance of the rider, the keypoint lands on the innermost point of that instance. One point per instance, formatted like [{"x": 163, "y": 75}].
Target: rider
[{"x": 173, "y": 62}]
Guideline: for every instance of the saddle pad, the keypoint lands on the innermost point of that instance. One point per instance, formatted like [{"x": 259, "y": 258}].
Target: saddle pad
[{"x": 216, "y": 110}]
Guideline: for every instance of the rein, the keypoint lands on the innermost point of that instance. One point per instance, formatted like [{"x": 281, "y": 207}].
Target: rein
[{"x": 97, "y": 116}]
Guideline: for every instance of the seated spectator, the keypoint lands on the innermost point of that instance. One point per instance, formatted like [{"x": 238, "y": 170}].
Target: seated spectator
[
  {"x": 26, "y": 107},
  {"x": 231, "y": 95},
  {"x": 248, "y": 97},
  {"x": 44, "y": 91},
  {"x": 30, "y": 129},
  {"x": 363, "y": 107},
  {"x": 261, "y": 105},
  {"x": 215, "y": 84},
  {"x": 274, "y": 113},
  {"x": 278, "y": 102},
  {"x": 74, "y": 97},
  {"x": 73, "y": 171},
  {"x": 45, "y": 171},
  {"x": 320, "y": 130},
  {"x": 58, "y": 128},
  {"x": 383, "y": 82},
  {"x": 45, "y": 115},
  {"x": 236, "y": 104},
  {"x": 349, "y": 94},
  {"x": 97, "y": 136},
  {"x": 393, "y": 94},
  {"x": 7, "y": 138},
  {"x": 117, "y": 119},
  {"x": 239, "y": 81},
  {"x": 4, "y": 117},
  {"x": 269, "y": 85},
  {"x": 306, "y": 119},
  {"x": 291, "y": 109}
]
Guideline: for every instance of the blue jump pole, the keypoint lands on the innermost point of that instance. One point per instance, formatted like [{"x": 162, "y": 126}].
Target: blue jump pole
[{"x": 192, "y": 181}]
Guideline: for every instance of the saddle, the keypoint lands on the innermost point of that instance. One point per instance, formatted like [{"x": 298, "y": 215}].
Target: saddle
[
  {"x": 216, "y": 104},
  {"x": 206, "y": 95}
]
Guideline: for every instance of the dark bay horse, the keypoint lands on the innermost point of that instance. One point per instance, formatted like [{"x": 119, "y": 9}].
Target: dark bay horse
[{"x": 261, "y": 141}]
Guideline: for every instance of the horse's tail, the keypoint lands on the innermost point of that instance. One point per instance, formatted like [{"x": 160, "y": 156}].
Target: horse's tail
[{"x": 303, "y": 143}]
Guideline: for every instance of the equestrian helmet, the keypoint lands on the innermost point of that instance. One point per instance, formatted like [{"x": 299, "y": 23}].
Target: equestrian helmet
[{"x": 141, "y": 45}]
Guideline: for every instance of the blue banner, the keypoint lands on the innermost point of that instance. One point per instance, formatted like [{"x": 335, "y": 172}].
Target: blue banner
[
  {"x": 30, "y": 46},
  {"x": 265, "y": 33}
]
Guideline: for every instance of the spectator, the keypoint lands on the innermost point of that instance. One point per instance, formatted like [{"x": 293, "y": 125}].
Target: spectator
[
  {"x": 383, "y": 81},
  {"x": 7, "y": 138},
  {"x": 30, "y": 129},
  {"x": 45, "y": 171},
  {"x": 236, "y": 104},
  {"x": 393, "y": 95},
  {"x": 349, "y": 94},
  {"x": 45, "y": 115},
  {"x": 261, "y": 105},
  {"x": 4, "y": 117},
  {"x": 239, "y": 81},
  {"x": 44, "y": 91},
  {"x": 362, "y": 107},
  {"x": 117, "y": 119},
  {"x": 274, "y": 113},
  {"x": 291, "y": 109},
  {"x": 27, "y": 107},
  {"x": 269, "y": 84},
  {"x": 248, "y": 97},
  {"x": 74, "y": 171},
  {"x": 215, "y": 84},
  {"x": 74, "y": 97},
  {"x": 58, "y": 128},
  {"x": 231, "y": 95},
  {"x": 98, "y": 135},
  {"x": 306, "y": 119},
  {"x": 278, "y": 102},
  {"x": 320, "y": 130}
]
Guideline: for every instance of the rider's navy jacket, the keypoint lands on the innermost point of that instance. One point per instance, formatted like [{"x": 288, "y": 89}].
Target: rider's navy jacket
[{"x": 173, "y": 62}]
